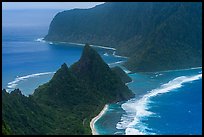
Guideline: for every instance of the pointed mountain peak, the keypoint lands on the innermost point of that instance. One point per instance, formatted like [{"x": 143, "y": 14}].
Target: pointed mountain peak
[
  {"x": 16, "y": 92},
  {"x": 87, "y": 45},
  {"x": 64, "y": 66},
  {"x": 89, "y": 63},
  {"x": 62, "y": 73},
  {"x": 4, "y": 90},
  {"x": 89, "y": 53}
]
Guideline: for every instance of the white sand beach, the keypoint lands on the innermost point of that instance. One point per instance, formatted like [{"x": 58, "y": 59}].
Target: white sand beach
[{"x": 96, "y": 118}]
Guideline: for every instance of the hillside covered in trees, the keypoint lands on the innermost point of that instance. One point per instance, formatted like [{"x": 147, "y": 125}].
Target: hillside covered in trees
[
  {"x": 155, "y": 35},
  {"x": 67, "y": 103}
]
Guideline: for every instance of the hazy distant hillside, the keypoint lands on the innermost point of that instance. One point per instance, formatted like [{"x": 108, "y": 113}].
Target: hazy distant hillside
[{"x": 155, "y": 35}]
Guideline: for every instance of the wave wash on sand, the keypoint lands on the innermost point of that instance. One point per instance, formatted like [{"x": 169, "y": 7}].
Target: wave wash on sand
[
  {"x": 138, "y": 109},
  {"x": 92, "y": 123}
]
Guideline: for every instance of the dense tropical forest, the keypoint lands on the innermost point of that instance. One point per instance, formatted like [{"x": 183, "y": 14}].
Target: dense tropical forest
[
  {"x": 68, "y": 102},
  {"x": 155, "y": 35}
]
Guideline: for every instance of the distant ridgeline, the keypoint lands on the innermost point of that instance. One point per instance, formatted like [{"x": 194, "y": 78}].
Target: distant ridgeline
[
  {"x": 68, "y": 102},
  {"x": 155, "y": 35}
]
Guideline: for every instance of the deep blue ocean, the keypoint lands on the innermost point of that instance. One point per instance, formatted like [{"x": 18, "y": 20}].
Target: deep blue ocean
[
  {"x": 168, "y": 102},
  {"x": 27, "y": 61},
  {"x": 165, "y": 103}
]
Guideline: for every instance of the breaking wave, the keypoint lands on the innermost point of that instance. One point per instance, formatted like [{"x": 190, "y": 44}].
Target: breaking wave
[
  {"x": 137, "y": 109},
  {"x": 13, "y": 84}
]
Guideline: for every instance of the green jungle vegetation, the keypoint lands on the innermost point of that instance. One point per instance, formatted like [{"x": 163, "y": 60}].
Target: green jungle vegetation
[
  {"x": 66, "y": 104},
  {"x": 155, "y": 35},
  {"x": 123, "y": 76}
]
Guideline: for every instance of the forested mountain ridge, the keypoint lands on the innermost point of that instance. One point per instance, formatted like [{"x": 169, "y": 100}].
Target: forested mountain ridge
[
  {"x": 123, "y": 76},
  {"x": 66, "y": 104},
  {"x": 155, "y": 35}
]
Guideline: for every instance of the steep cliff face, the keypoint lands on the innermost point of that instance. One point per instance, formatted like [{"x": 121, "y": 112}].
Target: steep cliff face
[
  {"x": 123, "y": 76},
  {"x": 66, "y": 104},
  {"x": 91, "y": 69},
  {"x": 155, "y": 35}
]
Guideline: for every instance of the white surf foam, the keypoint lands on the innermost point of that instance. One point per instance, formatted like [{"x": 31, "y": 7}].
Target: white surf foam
[
  {"x": 138, "y": 109},
  {"x": 118, "y": 133},
  {"x": 105, "y": 54},
  {"x": 79, "y": 44},
  {"x": 40, "y": 40},
  {"x": 180, "y": 69},
  {"x": 118, "y": 62},
  {"x": 129, "y": 82},
  {"x": 96, "y": 46},
  {"x": 117, "y": 56},
  {"x": 200, "y": 72},
  {"x": 132, "y": 131},
  {"x": 126, "y": 71},
  {"x": 103, "y": 47},
  {"x": 14, "y": 83}
]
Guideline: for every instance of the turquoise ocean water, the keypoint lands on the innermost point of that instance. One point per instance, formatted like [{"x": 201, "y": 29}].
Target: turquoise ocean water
[{"x": 168, "y": 102}]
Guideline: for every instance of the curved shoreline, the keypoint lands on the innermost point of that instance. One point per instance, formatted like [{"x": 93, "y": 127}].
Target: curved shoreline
[
  {"x": 114, "y": 54},
  {"x": 80, "y": 44},
  {"x": 93, "y": 130}
]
